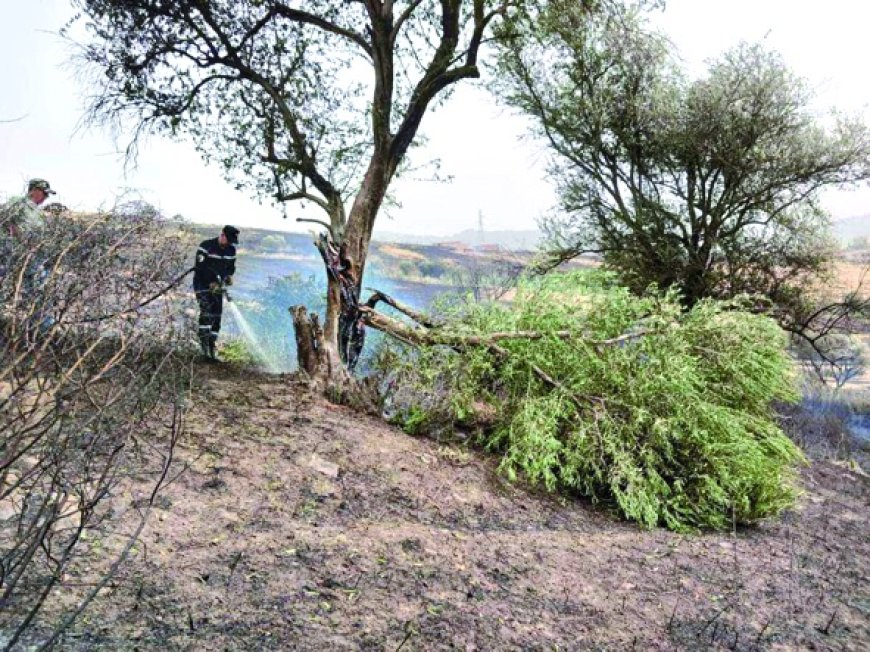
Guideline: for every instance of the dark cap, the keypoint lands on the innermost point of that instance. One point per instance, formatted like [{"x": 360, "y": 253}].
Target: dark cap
[
  {"x": 232, "y": 233},
  {"x": 40, "y": 184}
]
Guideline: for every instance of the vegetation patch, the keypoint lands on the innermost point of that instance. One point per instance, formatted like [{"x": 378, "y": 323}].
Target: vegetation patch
[
  {"x": 238, "y": 351},
  {"x": 401, "y": 252},
  {"x": 633, "y": 401}
]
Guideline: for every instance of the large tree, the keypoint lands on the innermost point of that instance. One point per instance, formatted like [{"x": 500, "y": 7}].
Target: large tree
[
  {"x": 315, "y": 101},
  {"x": 710, "y": 185}
]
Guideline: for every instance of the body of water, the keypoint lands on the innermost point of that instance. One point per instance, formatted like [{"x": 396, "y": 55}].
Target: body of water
[
  {"x": 265, "y": 287},
  {"x": 253, "y": 274},
  {"x": 859, "y": 424}
]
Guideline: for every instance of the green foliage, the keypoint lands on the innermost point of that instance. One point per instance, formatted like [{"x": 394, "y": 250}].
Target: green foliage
[
  {"x": 673, "y": 424},
  {"x": 407, "y": 268},
  {"x": 711, "y": 185},
  {"x": 236, "y": 350},
  {"x": 432, "y": 268},
  {"x": 273, "y": 242},
  {"x": 415, "y": 420},
  {"x": 422, "y": 269}
]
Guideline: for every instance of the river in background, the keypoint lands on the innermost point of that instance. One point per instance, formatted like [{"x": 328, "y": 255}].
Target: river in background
[
  {"x": 265, "y": 287},
  {"x": 253, "y": 273},
  {"x": 860, "y": 426}
]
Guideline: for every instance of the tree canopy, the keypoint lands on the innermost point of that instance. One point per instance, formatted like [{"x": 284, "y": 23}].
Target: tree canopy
[
  {"x": 297, "y": 101},
  {"x": 709, "y": 185}
]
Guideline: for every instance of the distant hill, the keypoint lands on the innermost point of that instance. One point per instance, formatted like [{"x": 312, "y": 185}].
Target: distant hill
[
  {"x": 851, "y": 228},
  {"x": 262, "y": 240},
  {"x": 511, "y": 240},
  {"x": 437, "y": 260},
  {"x": 265, "y": 240}
]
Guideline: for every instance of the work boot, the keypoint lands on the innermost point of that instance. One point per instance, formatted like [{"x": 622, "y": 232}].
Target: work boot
[
  {"x": 204, "y": 344},
  {"x": 212, "y": 352}
]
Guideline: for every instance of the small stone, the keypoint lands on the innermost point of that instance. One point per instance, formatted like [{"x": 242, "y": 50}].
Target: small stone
[{"x": 314, "y": 461}]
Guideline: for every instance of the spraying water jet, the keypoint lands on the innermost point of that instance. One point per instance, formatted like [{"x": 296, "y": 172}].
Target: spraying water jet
[{"x": 252, "y": 340}]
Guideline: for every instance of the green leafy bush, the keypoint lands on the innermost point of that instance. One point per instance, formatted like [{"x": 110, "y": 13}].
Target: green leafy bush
[
  {"x": 672, "y": 423},
  {"x": 237, "y": 350},
  {"x": 431, "y": 268}
]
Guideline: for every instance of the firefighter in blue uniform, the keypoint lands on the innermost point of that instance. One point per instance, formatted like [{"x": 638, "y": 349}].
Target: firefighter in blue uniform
[{"x": 213, "y": 271}]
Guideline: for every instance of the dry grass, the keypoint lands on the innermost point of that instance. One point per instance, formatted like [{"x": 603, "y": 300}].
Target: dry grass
[
  {"x": 849, "y": 276},
  {"x": 398, "y": 252}
]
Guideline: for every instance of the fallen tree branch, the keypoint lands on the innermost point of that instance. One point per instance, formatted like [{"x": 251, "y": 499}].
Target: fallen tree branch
[
  {"x": 406, "y": 333},
  {"x": 417, "y": 336},
  {"x": 418, "y": 317},
  {"x": 425, "y": 337},
  {"x": 581, "y": 401}
]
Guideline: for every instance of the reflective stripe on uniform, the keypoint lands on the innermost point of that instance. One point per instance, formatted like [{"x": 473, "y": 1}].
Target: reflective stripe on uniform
[{"x": 211, "y": 255}]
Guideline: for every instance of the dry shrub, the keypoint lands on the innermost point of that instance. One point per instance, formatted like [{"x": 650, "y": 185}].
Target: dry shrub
[
  {"x": 824, "y": 422},
  {"x": 91, "y": 372}
]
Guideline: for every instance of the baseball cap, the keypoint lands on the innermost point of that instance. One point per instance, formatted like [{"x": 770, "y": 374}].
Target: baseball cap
[
  {"x": 232, "y": 234},
  {"x": 40, "y": 184}
]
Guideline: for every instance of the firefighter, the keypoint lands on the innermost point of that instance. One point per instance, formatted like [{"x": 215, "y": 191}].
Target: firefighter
[{"x": 213, "y": 271}]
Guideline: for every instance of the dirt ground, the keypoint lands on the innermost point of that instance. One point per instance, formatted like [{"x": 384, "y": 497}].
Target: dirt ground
[{"x": 300, "y": 525}]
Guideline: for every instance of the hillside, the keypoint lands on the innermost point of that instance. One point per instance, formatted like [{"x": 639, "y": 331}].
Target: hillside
[
  {"x": 297, "y": 524},
  {"x": 522, "y": 240},
  {"x": 291, "y": 242},
  {"x": 852, "y": 228},
  {"x": 844, "y": 230}
]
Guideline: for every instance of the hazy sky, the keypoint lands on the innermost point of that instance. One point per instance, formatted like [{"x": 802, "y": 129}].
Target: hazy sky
[{"x": 495, "y": 173}]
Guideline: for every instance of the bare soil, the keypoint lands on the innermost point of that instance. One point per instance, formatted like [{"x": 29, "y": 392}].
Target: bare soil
[{"x": 301, "y": 525}]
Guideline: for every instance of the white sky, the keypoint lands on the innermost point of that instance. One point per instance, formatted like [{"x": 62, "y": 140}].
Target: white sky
[{"x": 494, "y": 172}]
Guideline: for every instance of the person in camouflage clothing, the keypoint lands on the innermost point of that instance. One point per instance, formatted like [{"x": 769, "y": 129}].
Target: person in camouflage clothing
[
  {"x": 21, "y": 215},
  {"x": 21, "y": 221}
]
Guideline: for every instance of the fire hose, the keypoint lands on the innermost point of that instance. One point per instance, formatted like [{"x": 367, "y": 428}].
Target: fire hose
[{"x": 139, "y": 306}]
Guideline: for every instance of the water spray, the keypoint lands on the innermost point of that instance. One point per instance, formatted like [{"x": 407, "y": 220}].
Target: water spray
[{"x": 251, "y": 338}]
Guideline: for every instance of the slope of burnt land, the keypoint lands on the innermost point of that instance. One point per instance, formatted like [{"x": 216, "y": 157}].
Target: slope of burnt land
[{"x": 298, "y": 524}]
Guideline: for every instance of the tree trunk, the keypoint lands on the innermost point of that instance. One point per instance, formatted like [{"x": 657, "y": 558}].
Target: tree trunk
[
  {"x": 317, "y": 357},
  {"x": 344, "y": 255},
  {"x": 309, "y": 335}
]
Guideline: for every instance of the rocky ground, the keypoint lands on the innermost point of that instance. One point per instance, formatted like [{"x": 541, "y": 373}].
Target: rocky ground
[{"x": 300, "y": 525}]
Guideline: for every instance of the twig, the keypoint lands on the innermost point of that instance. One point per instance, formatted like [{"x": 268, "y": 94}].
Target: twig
[
  {"x": 408, "y": 634},
  {"x": 326, "y": 225},
  {"x": 139, "y": 306},
  {"x": 827, "y": 628},
  {"x": 673, "y": 614},
  {"x": 761, "y": 633},
  {"x": 235, "y": 562}
]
